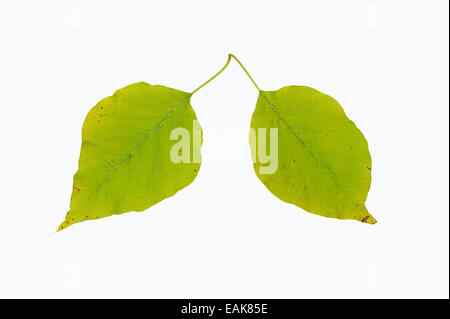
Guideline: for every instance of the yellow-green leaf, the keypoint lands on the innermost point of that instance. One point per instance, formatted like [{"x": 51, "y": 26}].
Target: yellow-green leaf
[
  {"x": 125, "y": 161},
  {"x": 323, "y": 164}
]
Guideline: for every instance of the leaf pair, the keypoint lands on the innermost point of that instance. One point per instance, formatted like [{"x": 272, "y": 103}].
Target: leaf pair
[{"x": 127, "y": 161}]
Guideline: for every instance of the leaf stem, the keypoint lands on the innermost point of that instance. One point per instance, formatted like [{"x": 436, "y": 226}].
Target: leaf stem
[
  {"x": 214, "y": 76},
  {"x": 245, "y": 70},
  {"x": 223, "y": 68}
]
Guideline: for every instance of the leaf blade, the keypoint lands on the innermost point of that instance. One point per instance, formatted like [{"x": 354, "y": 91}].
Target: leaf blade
[
  {"x": 323, "y": 163},
  {"x": 124, "y": 161}
]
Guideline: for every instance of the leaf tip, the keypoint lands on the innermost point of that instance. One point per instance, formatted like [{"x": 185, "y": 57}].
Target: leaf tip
[
  {"x": 61, "y": 226},
  {"x": 66, "y": 223},
  {"x": 369, "y": 219}
]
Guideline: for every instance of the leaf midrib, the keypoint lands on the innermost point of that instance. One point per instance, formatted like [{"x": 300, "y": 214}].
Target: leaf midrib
[
  {"x": 324, "y": 166},
  {"x": 128, "y": 156}
]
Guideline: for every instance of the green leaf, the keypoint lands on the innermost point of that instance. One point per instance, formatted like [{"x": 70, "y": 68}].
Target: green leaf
[
  {"x": 323, "y": 164},
  {"x": 126, "y": 161}
]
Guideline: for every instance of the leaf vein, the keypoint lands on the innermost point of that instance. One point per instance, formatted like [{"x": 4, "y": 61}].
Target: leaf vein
[
  {"x": 321, "y": 165},
  {"x": 129, "y": 155}
]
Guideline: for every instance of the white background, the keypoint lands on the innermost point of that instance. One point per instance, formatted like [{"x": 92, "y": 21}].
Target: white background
[{"x": 225, "y": 235}]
